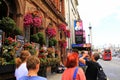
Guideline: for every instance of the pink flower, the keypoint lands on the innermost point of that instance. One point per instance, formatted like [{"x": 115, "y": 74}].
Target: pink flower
[
  {"x": 51, "y": 32},
  {"x": 62, "y": 27},
  {"x": 68, "y": 33},
  {"x": 63, "y": 43},
  {"x": 32, "y": 19},
  {"x": 28, "y": 20},
  {"x": 37, "y": 21}
]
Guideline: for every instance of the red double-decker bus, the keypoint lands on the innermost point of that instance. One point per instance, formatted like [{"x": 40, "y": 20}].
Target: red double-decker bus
[{"x": 107, "y": 54}]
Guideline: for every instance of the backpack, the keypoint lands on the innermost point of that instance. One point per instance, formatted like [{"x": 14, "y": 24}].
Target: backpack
[{"x": 101, "y": 74}]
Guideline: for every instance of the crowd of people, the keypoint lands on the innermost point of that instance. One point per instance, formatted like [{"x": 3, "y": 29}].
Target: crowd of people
[
  {"x": 78, "y": 66},
  {"x": 83, "y": 66}
]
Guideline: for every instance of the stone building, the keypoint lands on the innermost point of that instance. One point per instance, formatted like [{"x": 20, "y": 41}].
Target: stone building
[
  {"x": 71, "y": 14},
  {"x": 52, "y": 13}
]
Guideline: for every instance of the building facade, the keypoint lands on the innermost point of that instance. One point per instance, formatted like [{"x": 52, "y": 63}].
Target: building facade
[
  {"x": 51, "y": 12},
  {"x": 71, "y": 14}
]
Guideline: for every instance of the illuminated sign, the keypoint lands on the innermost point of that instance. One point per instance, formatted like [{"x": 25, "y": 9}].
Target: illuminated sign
[
  {"x": 77, "y": 45},
  {"x": 78, "y": 28},
  {"x": 87, "y": 45}
]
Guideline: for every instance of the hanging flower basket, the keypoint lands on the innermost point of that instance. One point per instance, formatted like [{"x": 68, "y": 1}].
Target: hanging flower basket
[
  {"x": 51, "y": 32},
  {"x": 67, "y": 33},
  {"x": 28, "y": 20},
  {"x": 8, "y": 25},
  {"x": 52, "y": 42},
  {"x": 63, "y": 43},
  {"x": 62, "y": 27},
  {"x": 38, "y": 38},
  {"x": 32, "y": 19}
]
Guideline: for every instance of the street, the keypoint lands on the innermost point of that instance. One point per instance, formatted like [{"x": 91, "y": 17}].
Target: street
[{"x": 111, "y": 68}]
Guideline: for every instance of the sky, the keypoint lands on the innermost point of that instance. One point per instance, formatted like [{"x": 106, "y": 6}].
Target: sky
[{"x": 104, "y": 17}]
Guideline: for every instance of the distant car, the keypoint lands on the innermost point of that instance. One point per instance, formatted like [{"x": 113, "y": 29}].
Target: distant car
[{"x": 118, "y": 55}]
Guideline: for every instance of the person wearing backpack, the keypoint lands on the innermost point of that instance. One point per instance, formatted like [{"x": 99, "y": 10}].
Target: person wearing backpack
[
  {"x": 93, "y": 67},
  {"x": 73, "y": 72}
]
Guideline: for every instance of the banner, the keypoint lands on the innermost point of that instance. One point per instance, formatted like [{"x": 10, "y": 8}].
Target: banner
[
  {"x": 78, "y": 27},
  {"x": 84, "y": 37}
]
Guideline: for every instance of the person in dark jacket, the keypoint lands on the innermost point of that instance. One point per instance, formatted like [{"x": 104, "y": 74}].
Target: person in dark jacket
[{"x": 92, "y": 70}]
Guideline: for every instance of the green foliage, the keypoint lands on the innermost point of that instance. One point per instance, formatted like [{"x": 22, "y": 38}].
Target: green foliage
[
  {"x": 41, "y": 38},
  {"x": 8, "y": 25},
  {"x": 30, "y": 47},
  {"x": 8, "y": 51},
  {"x": 34, "y": 38},
  {"x": 17, "y": 31},
  {"x": 52, "y": 42},
  {"x": 38, "y": 38},
  {"x": 32, "y": 51},
  {"x": 49, "y": 61}
]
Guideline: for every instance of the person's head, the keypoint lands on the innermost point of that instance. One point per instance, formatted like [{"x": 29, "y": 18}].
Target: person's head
[
  {"x": 82, "y": 52},
  {"x": 33, "y": 63},
  {"x": 72, "y": 60},
  {"x": 87, "y": 56},
  {"x": 77, "y": 23},
  {"x": 75, "y": 51},
  {"x": 23, "y": 57},
  {"x": 95, "y": 56}
]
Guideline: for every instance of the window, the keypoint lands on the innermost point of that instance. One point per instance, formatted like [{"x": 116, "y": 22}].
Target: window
[
  {"x": 60, "y": 5},
  {"x": 60, "y": 35}
]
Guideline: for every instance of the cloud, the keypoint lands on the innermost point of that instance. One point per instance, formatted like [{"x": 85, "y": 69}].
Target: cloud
[{"x": 95, "y": 12}]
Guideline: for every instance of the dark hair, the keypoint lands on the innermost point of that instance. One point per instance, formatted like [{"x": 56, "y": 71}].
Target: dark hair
[
  {"x": 82, "y": 52},
  {"x": 96, "y": 56},
  {"x": 75, "y": 50},
  {"x": 72, "y": 60}
]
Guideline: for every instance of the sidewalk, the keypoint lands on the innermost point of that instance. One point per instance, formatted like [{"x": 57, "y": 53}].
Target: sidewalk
[{"x": 54, "y": 76}]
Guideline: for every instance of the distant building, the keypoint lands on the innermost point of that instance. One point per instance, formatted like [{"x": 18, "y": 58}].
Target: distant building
[{"x": 71, "y": 14}]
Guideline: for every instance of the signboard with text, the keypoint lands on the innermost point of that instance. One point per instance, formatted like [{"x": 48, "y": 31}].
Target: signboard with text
[{"x": 78, "y": 27}]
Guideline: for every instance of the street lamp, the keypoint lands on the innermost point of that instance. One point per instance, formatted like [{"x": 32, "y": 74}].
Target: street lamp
[{"x": 90, "y": 34}]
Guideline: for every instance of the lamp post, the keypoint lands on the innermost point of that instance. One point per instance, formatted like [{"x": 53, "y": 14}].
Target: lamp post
[
  {"x": 88, "y": 38},
  {"x": 90, "y": 29},
  {"x": 90, "y": 34}
]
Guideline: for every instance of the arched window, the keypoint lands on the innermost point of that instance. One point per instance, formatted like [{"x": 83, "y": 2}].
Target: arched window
[{"x": 3, "y": 10}]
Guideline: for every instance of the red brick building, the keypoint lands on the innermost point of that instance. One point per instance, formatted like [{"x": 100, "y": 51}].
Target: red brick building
[{"x": 50, "y": 11}]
